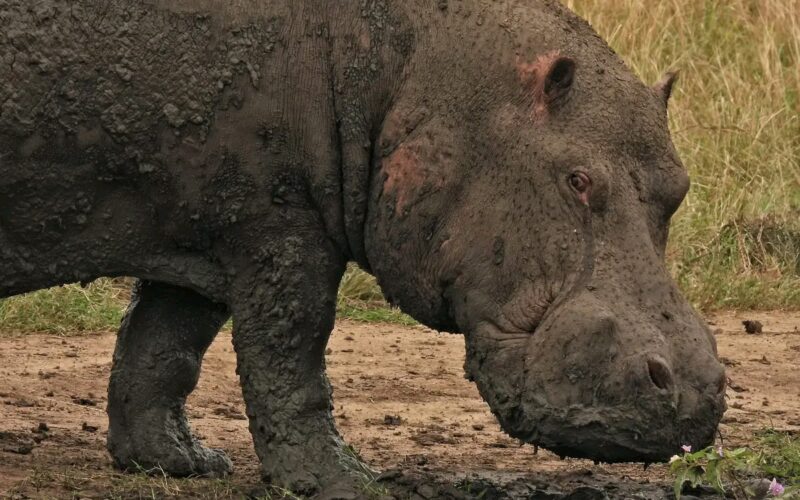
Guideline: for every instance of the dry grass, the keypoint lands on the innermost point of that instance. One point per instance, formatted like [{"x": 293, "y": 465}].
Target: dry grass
[
  {"x": 360, "y": 298},
  {"x": 69, "y": 309},
  {"x": 735, "y": 119}
]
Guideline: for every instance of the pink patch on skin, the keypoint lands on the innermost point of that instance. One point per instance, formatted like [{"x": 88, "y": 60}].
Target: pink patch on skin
[
  {"x": 403, "y": 175},
  {"x": 532, "y": 76},
  {"x": 364, "y": 41}
]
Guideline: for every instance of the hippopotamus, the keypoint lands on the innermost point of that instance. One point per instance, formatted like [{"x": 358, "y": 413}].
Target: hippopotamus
[{"x": 495, "y": 165}]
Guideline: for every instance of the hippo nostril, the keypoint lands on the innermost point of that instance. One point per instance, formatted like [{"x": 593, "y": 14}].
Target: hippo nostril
[{"x": 660, "y": 374}]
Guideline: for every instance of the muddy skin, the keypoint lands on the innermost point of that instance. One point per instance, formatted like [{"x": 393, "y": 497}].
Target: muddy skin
[
  {"x": 160, "y": 346},
  {"x": 235, "y": 155}
]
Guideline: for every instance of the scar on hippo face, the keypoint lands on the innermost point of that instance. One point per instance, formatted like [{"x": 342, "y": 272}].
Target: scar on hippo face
[
  {"x": 416, "y": 169},
  {"x": 403, "y": 174},
  {"x": 549, "y": 79}
]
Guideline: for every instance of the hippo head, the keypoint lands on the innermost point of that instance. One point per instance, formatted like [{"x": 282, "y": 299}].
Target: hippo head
[{"x": 522, "y": 196}]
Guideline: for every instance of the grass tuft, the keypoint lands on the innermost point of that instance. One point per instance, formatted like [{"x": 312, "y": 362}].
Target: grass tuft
[
  {"x": 780, "y": 454},
  {"x": 360, "y": 298},
  {"x": 69, "y": 309}
]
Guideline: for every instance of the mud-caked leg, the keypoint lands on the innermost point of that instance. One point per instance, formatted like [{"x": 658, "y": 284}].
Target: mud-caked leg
[
  {"x": 160, "y": 347},
  {"x": 283, "y": 315}
]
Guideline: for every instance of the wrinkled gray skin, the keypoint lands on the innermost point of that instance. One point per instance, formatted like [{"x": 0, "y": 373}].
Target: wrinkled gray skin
[{"x": 494, "y": 164}]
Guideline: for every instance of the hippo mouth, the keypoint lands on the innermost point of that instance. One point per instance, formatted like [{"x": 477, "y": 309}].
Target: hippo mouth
[
  {"x": 611, "y": 435},
  {"x": 599, "y": 434}
]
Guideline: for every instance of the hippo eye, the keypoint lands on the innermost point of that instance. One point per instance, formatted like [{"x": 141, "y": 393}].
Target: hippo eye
[{"x": 579, "y": 182}]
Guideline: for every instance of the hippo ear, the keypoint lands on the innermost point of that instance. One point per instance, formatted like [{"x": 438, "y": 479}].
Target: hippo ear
[
  {"x": 664, "y": 87},
  {"x": 560, "y": 75}
]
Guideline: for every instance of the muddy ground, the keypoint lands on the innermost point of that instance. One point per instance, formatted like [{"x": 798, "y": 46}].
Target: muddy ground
[{"x": 400, "y": 399}]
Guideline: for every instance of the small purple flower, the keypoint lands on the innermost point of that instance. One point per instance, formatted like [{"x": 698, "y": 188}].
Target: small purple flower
[
  {"x": 719, "y": 451},
  {"x": 687, "y": 448},
  {"x": 775, "y": 488}
]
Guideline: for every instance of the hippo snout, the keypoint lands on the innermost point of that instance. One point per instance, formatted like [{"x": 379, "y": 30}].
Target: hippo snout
[{"x": 610, "y": 382}]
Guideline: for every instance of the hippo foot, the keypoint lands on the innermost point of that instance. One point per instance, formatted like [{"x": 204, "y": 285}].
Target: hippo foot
[
  {"x": 342, "y": 476},
  {"x": 178, "y": 460},
  {"x": 169, "y": 448}
]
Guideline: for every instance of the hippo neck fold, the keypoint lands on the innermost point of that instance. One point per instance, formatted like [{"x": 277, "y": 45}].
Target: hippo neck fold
[{"x": 368, "y": 67}]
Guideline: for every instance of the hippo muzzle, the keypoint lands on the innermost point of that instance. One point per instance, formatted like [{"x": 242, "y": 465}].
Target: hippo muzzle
[{"x": 600, "y": 381}]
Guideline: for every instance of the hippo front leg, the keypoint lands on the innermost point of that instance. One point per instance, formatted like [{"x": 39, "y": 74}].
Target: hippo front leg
[
  {"x": 160, "y": 346},
  {"x": 283, "y": 315}
]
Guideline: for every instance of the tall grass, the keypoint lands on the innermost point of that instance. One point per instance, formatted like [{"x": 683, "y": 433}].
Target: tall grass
[{"x": 735, "y": 118}]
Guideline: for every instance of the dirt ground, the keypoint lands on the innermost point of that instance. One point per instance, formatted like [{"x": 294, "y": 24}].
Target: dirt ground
[{"x": 400, "y": 398}]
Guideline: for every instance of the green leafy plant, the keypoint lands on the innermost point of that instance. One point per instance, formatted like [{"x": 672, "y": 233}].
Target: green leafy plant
[{"x": 743, "y": 473}]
